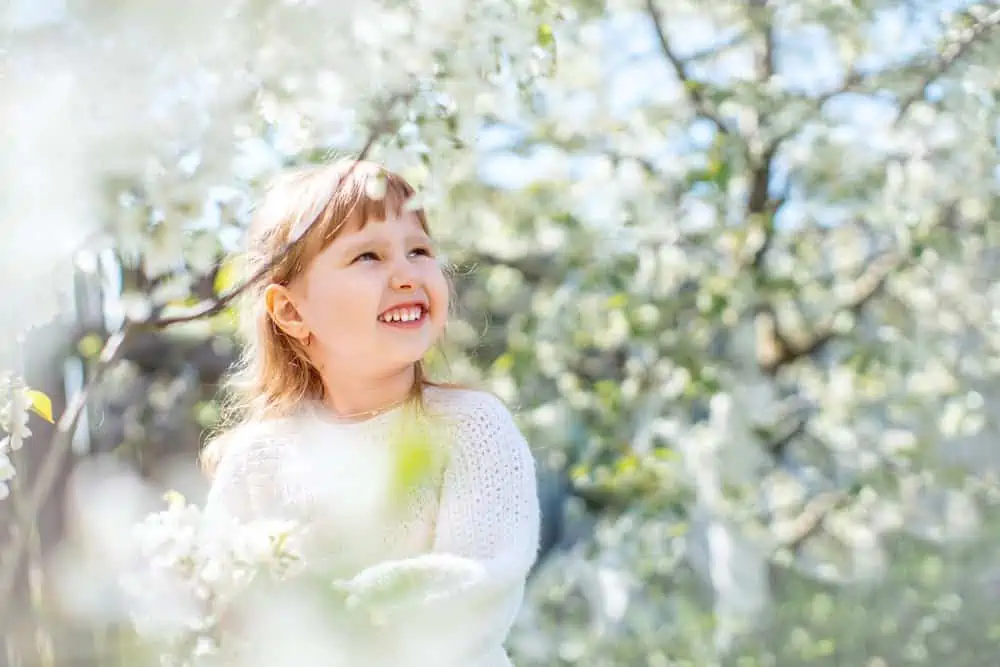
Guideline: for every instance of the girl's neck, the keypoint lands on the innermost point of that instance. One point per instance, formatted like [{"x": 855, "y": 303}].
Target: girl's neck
[{"x": 359, "y": 399}]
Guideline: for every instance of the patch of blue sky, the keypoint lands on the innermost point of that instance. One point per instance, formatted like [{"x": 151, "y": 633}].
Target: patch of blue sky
[{"x": 636, "y": 74}]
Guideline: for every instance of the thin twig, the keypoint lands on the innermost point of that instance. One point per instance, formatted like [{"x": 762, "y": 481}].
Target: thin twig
[
  {"x": 51, "y": 466},
  {"x": 949, "y": 56},
  {"x": 219, "y": 304},
  {"x": 856, "y": 82},
  {"x": 691, "y": 87}
]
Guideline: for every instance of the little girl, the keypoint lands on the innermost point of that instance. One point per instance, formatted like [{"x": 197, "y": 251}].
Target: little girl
[{"x": 338, "y": 428}]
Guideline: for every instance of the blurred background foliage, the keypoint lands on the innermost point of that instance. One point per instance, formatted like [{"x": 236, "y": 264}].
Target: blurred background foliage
[{"x": 734, "y": 266}]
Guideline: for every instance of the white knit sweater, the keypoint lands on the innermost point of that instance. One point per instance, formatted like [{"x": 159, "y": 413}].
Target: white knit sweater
[{"x": 433, "y": 578}]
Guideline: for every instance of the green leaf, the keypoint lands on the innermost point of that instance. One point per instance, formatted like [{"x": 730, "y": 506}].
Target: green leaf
[
  {"x": 504, "y": 363},
  {"x": 90, "y": 346},
  {"x": 419, "y": 452},
  {"x": 618, "y": 301},
  {"x": 719, "y": 172},
  {"x": 41, "y": 404},
  {"x": 174, "y": 499},
  {"x": 545, "y": 35},
  {"x": 227, "y": 277}
]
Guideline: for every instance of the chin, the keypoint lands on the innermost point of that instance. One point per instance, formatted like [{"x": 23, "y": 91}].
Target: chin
[{"x": 403, "y": 358}]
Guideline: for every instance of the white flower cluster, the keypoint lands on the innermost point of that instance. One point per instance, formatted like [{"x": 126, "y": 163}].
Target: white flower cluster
[
  {"x": 190, "y": 571},
  {"x": 14, "y": 405}
]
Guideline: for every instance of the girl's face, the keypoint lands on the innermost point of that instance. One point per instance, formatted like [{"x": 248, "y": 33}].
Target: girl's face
[{"x": 371, "y": 303}]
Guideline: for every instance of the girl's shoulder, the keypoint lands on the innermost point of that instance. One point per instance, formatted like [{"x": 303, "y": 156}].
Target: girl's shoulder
[
  {"x": 472, "y": 413},
  {"x": 463, "y": 402},
  {"x": 256, "y": 440}
]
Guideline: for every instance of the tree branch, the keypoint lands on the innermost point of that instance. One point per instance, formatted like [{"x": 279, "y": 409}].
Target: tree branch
[
  {"x": 706, "y": 54},
  {"x": 51, "y": 466},
  {"x": 857, "y": 82},
  {"x": 948, "y": 57},
  {"x": 692, "y": 88},
  {"x": 761, "y": 208},
  {"x": 719, "y": 48},
  {"x": 526, "y": 144},
  {"x": 217, "y": 305},
  {"x": 775, "y": 349},
  {"x": 762, "y": 17},
  {"x": 810, "y": 520},
  {"x": 778, "y": 445},
  {"x": 781, "y": 351},
  {"x": 647, "y": 165}
]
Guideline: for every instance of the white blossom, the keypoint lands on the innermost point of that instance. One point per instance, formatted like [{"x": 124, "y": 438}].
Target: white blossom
[
  {"x": 615, "y": 196},
  {"x": 190, "y": 569},
  {"x": 7, "y": 473}
]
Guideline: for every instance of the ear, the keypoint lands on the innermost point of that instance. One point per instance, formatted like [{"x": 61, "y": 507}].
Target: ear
[{"x": 281, "y": 307}]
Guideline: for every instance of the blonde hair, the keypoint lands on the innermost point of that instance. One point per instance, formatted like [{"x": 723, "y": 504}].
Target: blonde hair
[{"x": 301, "y": 213}]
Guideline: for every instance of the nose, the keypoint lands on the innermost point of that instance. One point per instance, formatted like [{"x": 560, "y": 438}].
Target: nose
[{"x": 403, "y": 277}]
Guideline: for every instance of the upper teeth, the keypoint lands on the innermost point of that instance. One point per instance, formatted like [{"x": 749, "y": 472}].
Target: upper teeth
[{"x": 402, "y": 314}]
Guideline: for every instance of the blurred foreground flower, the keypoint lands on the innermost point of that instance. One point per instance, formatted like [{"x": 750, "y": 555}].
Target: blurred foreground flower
[
  {"x": 190, "y": 571},
  {"x": 16, "y": 401},
  {"x": 7, "y": 473}
]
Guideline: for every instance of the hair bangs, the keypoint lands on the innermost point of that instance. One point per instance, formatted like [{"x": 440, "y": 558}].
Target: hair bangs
[{"x": 355, "y": 196}]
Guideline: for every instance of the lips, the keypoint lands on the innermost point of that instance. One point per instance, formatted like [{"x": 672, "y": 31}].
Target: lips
[{"x": 405, "y": 313}]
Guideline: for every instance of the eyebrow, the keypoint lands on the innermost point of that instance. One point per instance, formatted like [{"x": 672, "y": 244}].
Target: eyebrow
[{"x": 354, "y": 246}]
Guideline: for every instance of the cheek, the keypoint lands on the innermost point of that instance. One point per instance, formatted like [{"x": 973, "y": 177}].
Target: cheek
[
  {"x": 337, "y": 305},
  {"x": 439, "y": 293}
]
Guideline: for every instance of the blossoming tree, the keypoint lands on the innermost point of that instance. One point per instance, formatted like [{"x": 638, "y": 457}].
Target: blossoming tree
[{"x": 736, "y": 257}]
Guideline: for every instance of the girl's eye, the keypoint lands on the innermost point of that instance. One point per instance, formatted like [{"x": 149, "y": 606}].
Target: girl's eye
[
  {"x": 366, "y": 257},
  {"x": 425, "y": 252}
]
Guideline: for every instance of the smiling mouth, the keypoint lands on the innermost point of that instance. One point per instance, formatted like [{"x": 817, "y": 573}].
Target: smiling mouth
[{"x": 405, "y": 317}]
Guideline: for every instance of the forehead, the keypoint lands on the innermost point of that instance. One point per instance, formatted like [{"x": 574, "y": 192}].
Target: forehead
[{"x": 405, "y": 223}]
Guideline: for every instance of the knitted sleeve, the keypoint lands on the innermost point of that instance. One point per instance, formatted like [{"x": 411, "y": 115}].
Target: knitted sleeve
[
  {"x": 486, "y": 541},
  {"x": 229, "y": 496},
  {"x": 245, "y": 485}
]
